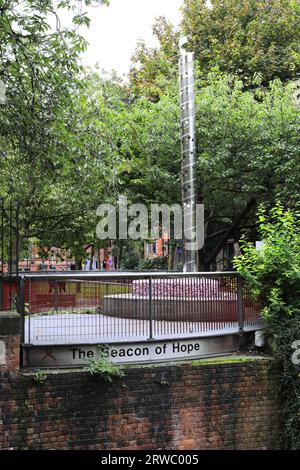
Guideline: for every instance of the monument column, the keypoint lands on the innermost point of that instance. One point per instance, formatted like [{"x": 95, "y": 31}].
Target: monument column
[{"x": 188, "y": 150}]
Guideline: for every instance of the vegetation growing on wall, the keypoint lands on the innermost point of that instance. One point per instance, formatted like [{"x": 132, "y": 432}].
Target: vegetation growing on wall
[
  {"x": 273, "y": 273},
  {"x": 104, "y": 369}
]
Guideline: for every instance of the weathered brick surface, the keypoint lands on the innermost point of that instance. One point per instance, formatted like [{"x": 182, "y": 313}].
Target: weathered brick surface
[
  {"x": 11, "y": 360},
  {"x": 215, "y": 406}
]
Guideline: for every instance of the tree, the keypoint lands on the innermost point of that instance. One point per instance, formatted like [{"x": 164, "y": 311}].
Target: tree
[
  {"x": 247, "y": 140},
  {"x": 245, "y": 38},
  {"x": 70, "y": 139},
  {"x": 248, "y": 152},
  {"x": 273, "y": 271},
  {"x": 153, "y": 69},
  {"x": 273, "y": 274},
  {"x": 152, "y": 169},
  {"x": 248, "y": 143},
  {"x": 39, "y": 62},
  {"x": 95, "y": 117}
]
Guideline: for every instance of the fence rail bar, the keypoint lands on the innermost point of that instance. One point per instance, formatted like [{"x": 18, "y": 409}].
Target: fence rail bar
[
  {"x": 150, "y": 309},
  {"x": 240, "y": 301},
  {"x": 131, "y": 275}
]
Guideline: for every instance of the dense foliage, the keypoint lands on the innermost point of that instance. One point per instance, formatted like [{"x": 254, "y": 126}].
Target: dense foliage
[
  {"x": 273, "y": 274},
  {"x": 288, "y": 337},
  {"x": 159, "y": 264},
  {"x": 71, "y": 139},
  {"x": 246, "y": 38},
  {"x": 248, "y": 153},
  {"x": 39, "y": 63},
  {"x": 273, "y": 271}
]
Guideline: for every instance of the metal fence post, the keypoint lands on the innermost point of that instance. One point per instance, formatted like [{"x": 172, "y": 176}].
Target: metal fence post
[
  {"x": 1, "y": 293},
  {"x": 2, "y": 256},
  {"x": 17, "y": 238},
  {"x": 240, "y": 302},
  {"x": 29, "y": 311},
  {"x": 150, "y": 309},
  {"x": 56, "y": 295},
  {"x": 21, "y": 306}
]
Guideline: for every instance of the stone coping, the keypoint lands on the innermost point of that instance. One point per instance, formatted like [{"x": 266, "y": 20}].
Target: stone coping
[{"x": 10, "y": 323}]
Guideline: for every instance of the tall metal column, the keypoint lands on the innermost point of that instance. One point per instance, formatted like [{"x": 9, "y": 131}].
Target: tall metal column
[{"x": 188, "y": 149}]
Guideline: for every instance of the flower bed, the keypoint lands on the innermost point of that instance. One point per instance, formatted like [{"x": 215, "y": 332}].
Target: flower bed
[{"x": 193, "y": 288}]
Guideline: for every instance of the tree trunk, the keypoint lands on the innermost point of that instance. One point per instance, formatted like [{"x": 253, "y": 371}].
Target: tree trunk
[
  {"x": 212, "y": 256},
  {"x": 78, "y": 264}
]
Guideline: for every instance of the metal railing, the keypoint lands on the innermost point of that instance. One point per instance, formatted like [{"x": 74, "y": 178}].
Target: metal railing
[
  {"x": 89, "y": 307},
  {"x": 8, "y": 292}
]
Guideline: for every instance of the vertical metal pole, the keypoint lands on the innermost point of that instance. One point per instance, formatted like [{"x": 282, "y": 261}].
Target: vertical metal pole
[
  {"x": 10, "y": 237},
  {"x": 29, "y": 312},
  {"x": 2, "y": 235},
  {"x": 240, "y": 302},
  {"x": 2, "y": 254},
  {"x": 17, "y": 238},
  {"x": 1, "y": 293},
  {"x": 188, "y": 150},
  {"x": 21, "y": 306},
  {"x": 150, "y": 309},
  {"x": 56, "y": 295},
  {"x": 10, "y": 256}
]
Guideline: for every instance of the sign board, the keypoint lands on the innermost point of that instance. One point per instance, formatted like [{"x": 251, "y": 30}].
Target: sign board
[{"x": 130, "y": 353}]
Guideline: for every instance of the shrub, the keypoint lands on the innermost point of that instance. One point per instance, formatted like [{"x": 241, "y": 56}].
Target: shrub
[
  {"x": 154, "y": 264},
  {"x": 273, "y": 274}
]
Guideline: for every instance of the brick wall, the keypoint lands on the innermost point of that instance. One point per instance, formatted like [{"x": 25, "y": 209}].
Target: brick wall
[
  {"x": 185, "y": 406},
  {"x": 10, "y": 353},
  {"x": 9, "y": 342}
]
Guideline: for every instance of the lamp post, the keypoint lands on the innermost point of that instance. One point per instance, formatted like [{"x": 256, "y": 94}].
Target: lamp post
[{"x": 188, "y": 150}]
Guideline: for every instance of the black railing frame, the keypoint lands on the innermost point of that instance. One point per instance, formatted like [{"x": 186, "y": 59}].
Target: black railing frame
[{"x": 92, "y": 275}]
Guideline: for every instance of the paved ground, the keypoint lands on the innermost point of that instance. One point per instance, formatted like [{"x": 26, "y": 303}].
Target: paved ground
[{"x": 71, "y": 328}]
